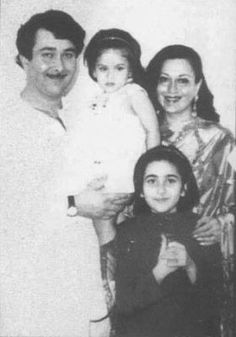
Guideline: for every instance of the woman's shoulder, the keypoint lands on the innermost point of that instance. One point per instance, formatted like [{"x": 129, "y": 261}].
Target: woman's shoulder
[{"x": 215, "y": 128}]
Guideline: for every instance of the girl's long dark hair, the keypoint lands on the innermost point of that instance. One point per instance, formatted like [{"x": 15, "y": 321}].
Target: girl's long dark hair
[
  {"x": 204, "y": 105},
  {"x": 176, "y": 158}
]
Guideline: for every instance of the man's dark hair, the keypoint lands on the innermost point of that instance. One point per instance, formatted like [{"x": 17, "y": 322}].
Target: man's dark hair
[{"x": 59, "y": 23}]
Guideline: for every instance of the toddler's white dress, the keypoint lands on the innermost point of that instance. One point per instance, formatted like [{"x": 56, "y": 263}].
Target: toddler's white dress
[{"x": 108, "y": 139}]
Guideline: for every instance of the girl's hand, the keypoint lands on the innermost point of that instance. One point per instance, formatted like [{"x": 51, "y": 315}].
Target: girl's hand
[
  {"x": 171, "y": 257},
  {"x": 182, "y": 259}
]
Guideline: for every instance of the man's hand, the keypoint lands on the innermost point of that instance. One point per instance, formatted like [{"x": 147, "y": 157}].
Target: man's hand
[
  {"x": 93, "y": 202},
  {"x": 207, "y": 231}
]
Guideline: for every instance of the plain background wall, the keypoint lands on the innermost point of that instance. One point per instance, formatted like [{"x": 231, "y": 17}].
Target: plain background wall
[{"x": 209, "y": 26}]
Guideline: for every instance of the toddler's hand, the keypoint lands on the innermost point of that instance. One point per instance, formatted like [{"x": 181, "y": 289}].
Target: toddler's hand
[{"x": 97, "y": 183}]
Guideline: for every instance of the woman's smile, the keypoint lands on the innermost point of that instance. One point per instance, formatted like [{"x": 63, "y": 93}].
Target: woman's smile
[{"x": 177, "y": 87}]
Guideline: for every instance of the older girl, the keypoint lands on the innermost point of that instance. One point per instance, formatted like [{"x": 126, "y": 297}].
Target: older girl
[{"x": 164, "y": 278}]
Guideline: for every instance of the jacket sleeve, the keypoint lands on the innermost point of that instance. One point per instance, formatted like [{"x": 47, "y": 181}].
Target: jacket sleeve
[{"x": 137, "y": 289}]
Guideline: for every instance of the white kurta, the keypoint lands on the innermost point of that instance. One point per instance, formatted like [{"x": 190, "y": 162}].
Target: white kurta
[{"x": 50, "y": 282}]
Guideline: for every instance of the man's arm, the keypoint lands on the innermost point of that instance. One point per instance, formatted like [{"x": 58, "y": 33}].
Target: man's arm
[{"x": 102, "y": 208}]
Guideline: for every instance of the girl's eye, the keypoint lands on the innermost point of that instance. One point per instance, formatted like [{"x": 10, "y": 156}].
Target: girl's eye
[
  {"x": 171, "y": 180},
  {"x": 163, "y": 79},
  {"x": 102, "y": 68},
  {"x": 183, "y": 80},
  {"x": 120, "y": 68},
  {"x": 150, "y": 181}
]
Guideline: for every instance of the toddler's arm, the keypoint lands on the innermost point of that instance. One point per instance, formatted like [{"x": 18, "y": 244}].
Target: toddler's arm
[{"x": 144, "y": 109}]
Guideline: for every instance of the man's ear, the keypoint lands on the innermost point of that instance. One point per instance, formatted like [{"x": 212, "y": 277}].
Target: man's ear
[
  {"x": 24, "y": 61},
  {"x": 141, "y": 195}
]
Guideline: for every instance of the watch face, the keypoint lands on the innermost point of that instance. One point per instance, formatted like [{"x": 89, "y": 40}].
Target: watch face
[{"x": 72, "y": 211}]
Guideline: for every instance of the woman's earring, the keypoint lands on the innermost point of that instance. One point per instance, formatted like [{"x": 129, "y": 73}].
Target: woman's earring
[
  {"x": 130, "y": 78},
  {"x": 194, "y": 111}
]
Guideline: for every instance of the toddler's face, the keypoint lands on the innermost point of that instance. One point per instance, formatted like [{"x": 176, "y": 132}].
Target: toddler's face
[
  {"x": 112, "y": 70},
  {"x": 162, "y": 187}
]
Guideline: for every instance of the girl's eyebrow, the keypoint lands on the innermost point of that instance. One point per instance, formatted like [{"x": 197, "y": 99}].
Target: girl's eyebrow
[
  {"x": 156, "y": 176},
  {"x": 103, "y": 64},
  {"x": 150, "y": 176}
]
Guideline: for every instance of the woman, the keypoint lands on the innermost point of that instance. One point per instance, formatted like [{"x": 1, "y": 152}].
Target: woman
[{"x": 179, "y": 91}]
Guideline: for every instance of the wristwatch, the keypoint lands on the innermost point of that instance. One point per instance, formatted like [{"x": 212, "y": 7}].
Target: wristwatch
[{"x": 72, "y": 210}]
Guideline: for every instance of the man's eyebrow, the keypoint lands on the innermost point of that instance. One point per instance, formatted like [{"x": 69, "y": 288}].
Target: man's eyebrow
[
  {"x": 71, "y": 49},
  {"x": 47, "y": 48},
  {"x": 53, "y": 49}
]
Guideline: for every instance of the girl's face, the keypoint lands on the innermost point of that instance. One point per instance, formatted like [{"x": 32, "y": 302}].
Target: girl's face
[
  {"x": 176, "y": 87},
  {"x": 112, "y": 70},
  {"x": 162, "y": 187}
]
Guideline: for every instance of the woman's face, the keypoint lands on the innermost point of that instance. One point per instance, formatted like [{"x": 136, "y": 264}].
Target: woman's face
[{"x": 176, "y": 87}]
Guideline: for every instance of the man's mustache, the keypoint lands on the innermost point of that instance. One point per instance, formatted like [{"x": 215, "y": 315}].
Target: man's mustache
[{"x": 57, "y": 75}]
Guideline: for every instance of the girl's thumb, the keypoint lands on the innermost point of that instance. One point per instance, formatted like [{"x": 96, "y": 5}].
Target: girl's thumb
[{"x": 163, "y": 243}]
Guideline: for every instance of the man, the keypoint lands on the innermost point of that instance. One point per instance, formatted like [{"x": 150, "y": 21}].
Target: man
[{"x": 50, "y": 282}]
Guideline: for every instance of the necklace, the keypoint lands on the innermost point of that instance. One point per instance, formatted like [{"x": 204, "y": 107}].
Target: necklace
[
  {"x": 192, "y": 125},
  {"x": 99, "y": 103},
  {"x": 167, "y": 133}
]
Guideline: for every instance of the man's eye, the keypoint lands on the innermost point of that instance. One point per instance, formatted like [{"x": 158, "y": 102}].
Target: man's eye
[
  {"x": 69, "y": 56},
  {"x": 120, "y": 68},
  {"x": 47, "y": 55},
  {"x": 163, "y": 79}
]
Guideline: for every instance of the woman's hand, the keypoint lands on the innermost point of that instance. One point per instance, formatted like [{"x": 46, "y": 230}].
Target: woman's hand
[{"x": 207, "y": 231}]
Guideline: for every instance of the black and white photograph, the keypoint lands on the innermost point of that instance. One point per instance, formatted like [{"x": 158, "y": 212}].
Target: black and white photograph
[{"x": 117, "y": 168}]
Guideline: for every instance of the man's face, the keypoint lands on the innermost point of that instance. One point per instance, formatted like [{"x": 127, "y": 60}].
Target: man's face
[{"x": 52, "y": 67}]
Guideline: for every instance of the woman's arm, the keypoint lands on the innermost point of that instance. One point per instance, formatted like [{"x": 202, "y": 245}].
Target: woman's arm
[{"x": 220, "y": 220}]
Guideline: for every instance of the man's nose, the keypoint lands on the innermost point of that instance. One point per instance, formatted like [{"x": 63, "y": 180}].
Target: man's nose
[{"x": 58, "y": 63}]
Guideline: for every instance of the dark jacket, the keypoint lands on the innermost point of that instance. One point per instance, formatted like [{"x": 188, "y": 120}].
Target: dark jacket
[{"x": 175, "y": 307}]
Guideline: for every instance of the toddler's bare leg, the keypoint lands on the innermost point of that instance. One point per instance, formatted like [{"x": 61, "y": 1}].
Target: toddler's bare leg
[{"x": 105, "y": 229}]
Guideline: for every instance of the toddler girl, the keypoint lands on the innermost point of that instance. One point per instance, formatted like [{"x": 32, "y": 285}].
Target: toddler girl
[
  {"x": 119, "y": 123},
  {"x": 164, "y": 278}
]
